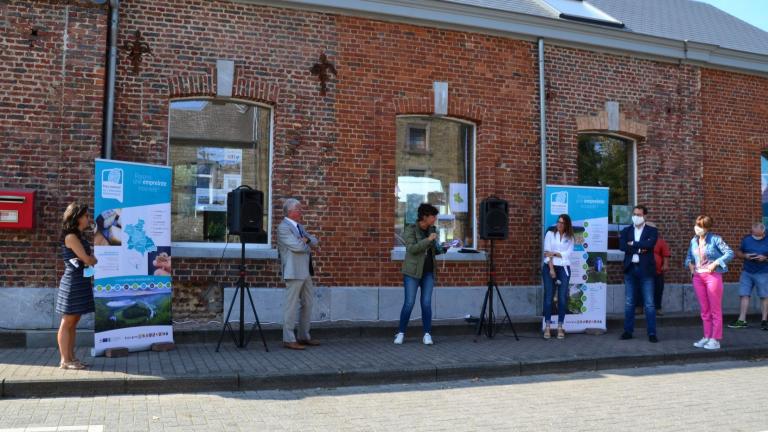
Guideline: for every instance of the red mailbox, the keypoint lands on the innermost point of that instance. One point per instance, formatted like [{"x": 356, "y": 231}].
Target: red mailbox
[{"x": 17, "y": 209}]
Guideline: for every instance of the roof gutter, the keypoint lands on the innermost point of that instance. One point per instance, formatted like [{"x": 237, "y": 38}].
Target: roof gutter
[{"x": 493, "y": 21}]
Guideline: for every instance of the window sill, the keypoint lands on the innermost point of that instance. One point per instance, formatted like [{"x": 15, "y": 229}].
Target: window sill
[
  {"x": 399, "y": 255},
  {"x": 216, "y": 250}
]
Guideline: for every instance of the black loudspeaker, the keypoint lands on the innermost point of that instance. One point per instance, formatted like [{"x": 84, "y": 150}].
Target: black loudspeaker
[
  {"x": 494, "y": 219},
  {"x": 245, "y": 211}
]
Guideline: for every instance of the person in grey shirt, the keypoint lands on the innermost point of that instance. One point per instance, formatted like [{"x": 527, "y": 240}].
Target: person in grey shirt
[{"x": 295, "y": 245}]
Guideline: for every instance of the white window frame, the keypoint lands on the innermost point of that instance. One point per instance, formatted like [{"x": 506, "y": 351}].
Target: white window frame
[
  {"x": 230, "y": 250},
  {"x": 398, "y": 252}
]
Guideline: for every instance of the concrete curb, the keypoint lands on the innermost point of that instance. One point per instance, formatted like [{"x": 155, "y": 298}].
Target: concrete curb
[{"x": 23, "y": 388}]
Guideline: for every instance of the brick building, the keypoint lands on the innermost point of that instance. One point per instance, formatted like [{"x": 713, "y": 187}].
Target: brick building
[{"x": 427, "y": 93}]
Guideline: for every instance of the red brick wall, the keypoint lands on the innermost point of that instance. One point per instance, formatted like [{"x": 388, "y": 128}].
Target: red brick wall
[
  {"x": 388, "y": 69},
  {"x": 337, "y": 153},
  {"x": 664, "y": 96},
  {"x": 50, "y": 123},
  {"x": 734, "y": 132},
  {"x": 273, "y": 49},
  {"x": 334, "y": 152}
]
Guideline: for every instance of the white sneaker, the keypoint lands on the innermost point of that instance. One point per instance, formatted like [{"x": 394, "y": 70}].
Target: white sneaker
[
  {"x": 713, "y": 344},
  {"x": 701, "y": 343},
  {"x": 427, "y": 339},
  {"x": 399, "y": 338}
]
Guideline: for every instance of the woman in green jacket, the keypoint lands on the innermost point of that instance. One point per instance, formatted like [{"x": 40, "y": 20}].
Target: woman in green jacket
[{"x": 419, "y": 268}]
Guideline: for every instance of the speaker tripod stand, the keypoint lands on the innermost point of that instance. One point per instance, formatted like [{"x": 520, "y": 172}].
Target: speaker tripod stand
[
  {"x": 487, "y": 316},
  {"x": 240, "y": 340}
]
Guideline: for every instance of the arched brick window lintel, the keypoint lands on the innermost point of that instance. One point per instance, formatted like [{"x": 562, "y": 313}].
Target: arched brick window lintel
[
  {"x": 459, "y": 108},
  {"x": 203, "y": 86},
  {"x": 599, "y": 124},
  {"x": 761, "y": 142}
]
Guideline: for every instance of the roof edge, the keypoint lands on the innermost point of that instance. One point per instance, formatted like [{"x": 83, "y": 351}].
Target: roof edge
[{"x": 475, "y": 18}]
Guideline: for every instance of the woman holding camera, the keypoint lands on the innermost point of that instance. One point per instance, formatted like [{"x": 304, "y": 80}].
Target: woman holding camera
[
  {"x": 419, "y": 269},
  {"x": 75, "y": 295},
  {"x": 558, "y": 245}
]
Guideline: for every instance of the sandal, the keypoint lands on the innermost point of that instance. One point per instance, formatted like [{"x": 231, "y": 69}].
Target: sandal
[
  {"x": 73, "y": 365},
  {"x": 546, "y": 333},
  {"x": 77, "y": 360},
  {"x": 560, "y": 333}
]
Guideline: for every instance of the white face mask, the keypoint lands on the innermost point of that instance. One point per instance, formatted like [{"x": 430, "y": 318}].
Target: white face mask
[
  {"x": 699, "y": 230},
  {"x": 637, "y": 220}
]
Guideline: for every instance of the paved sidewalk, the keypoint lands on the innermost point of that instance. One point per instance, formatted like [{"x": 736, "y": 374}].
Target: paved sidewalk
[{"x": 359, "y": 361}]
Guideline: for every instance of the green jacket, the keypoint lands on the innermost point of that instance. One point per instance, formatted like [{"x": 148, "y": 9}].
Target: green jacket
[{"x": 416, "y": 247}]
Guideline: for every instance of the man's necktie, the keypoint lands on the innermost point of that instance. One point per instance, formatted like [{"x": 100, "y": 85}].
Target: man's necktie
[{"x": 303, "y": 234}]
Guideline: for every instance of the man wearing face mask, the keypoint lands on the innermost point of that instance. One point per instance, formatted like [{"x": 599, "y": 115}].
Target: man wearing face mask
[
  {"x": 637, "y": 243},
  {"x": 754, "y": 275}
]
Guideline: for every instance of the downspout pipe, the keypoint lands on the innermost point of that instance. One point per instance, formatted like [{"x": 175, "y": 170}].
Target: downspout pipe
[
  {"x": 542, "y": 135},
  {"x": 109, "y": 117}
]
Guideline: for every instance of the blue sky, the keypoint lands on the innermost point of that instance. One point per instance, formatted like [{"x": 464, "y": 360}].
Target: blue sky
[{"x": 754, "y": 12}]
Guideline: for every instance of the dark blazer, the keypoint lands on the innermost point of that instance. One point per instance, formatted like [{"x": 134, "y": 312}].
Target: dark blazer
[{"x": 647, "y": 242}]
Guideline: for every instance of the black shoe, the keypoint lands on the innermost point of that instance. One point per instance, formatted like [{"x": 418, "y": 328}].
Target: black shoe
[
  {"x": 764, "y": 325},
  {"x": 653, "y": 339},
  {"x": 625, "y": 336}
]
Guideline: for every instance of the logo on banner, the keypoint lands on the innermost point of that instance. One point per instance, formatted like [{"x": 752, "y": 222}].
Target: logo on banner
[
  {"x": 558, "y": 203},
  {"x": 112, "y": 184}
]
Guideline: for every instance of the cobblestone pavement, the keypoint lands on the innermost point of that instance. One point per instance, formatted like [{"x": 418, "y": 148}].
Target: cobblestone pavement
[{"x": 726, "y": 396}]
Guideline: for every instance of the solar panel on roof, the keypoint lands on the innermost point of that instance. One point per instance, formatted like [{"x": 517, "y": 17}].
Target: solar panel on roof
[{"x": 579, "y": 10}]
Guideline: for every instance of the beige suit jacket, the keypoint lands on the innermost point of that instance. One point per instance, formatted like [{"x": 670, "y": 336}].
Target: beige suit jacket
[{"x": 294, "y": 253}]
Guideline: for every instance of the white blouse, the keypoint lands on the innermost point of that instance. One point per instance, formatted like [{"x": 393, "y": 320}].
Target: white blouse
[{"x": 554, "y": 242}]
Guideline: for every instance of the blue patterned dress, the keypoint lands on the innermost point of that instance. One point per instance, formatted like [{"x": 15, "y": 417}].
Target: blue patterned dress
[{"x": 75, "y": 296}]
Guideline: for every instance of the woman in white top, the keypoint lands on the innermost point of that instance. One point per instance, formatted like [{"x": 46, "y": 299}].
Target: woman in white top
[{"x": 558, "y": 245}]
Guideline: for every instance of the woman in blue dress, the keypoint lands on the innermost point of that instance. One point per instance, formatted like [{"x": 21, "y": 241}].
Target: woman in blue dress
[{"x": 75, "y": 296}]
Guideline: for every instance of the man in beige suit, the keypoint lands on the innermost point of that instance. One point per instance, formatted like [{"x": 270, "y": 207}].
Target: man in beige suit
[{"x": 295, "y": 245}]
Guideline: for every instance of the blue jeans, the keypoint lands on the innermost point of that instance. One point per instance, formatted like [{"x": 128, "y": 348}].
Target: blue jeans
[
  {"x": 636, "y": 279},
  {"x": 658, "y": 292},
  {"x": 427, "y": 282},
  {"x": 562, "y": 292}
]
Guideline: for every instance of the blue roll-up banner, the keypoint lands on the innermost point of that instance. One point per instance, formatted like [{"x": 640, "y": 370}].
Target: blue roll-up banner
[
  {"x": 588, "y": 208},
  {"x": 132, "y": 242}
]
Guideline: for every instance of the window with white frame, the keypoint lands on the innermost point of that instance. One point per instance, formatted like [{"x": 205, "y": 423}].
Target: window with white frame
[
  {"x": 609, "y": 161},
  {"x": 216, "y": 146},
  {"x": 435, "y": 164}
]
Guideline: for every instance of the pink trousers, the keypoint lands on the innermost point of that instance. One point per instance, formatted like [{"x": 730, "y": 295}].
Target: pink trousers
[{"x": 709, "y": 290}]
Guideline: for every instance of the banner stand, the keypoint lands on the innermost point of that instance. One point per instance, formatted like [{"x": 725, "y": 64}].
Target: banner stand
[
  {"x": 132, "y": 243},
  {"x": 588, "y": 208}
]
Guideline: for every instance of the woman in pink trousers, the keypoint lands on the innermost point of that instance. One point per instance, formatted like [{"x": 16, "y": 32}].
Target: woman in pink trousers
[{"x": 707, "y": 259}]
